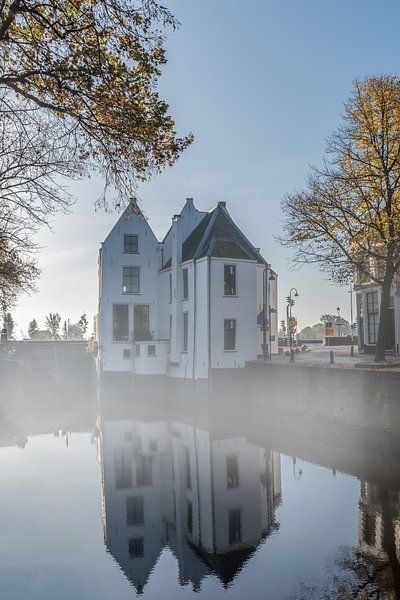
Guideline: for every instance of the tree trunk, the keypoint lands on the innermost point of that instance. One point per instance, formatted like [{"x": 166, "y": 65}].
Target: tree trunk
[{"x": 384, "y": 321}]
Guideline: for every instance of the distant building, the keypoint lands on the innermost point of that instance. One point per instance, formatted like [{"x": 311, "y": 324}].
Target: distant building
[{"x": 194, "y": 301}]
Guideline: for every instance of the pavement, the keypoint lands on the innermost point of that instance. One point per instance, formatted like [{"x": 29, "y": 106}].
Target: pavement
[{"x": 317, "y": 354}]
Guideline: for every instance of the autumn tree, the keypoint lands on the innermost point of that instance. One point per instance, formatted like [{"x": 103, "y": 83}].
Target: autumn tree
[
  {"x": 347, "y": 220},
  {"x": 83, "y": 324},
  {"x": 78, "y": 95},
  {"x": 33, "y": 329},
  {"x": 52, "y": 323}
]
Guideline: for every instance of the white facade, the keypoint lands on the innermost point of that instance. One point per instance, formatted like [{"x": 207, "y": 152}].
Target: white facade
[
  {"x": 187, "y": 304},
  {"x": 368, "y": 299}
]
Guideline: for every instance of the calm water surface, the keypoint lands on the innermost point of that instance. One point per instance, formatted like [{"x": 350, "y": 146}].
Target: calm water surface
[{"x": 176, "y": 493}]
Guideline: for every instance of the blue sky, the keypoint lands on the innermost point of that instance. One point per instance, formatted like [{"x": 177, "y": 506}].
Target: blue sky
[{"x": 261, "y": 85}]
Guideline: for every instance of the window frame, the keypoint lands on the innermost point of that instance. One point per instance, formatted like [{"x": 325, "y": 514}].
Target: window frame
[
  {"x": 114, "y": 339},
  {"x": 123, "y": 279},
  {"x": 137, "y": 513},
  {"x": 139, "y": 540},
  {"x": 131, "y": 235},
  {"x": 226, "y": 290},
  {"x": 185, "y": 331},
  {"x": 185, "y": 283},
  {"x": 232, "y": 464},
  {"x": 372, "y": 306},
  {"x": 234, "y": 349}
]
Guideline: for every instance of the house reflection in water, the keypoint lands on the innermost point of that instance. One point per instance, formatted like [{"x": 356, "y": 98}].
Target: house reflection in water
[
  {"x": 170, "y": 484},
  {"x": 379, "y": 524}
]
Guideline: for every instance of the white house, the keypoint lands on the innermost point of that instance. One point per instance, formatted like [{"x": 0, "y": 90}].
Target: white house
[
  {"x": 368, "y": 302},
  {"x": 194, "y": 301}
]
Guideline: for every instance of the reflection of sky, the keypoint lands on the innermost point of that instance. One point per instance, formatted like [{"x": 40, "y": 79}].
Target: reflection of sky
[
  {"x": 51, "y": 542},
  {"x": 261, "y": 85}
]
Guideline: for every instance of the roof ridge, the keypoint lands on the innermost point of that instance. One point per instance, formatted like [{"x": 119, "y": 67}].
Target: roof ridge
[
  {"x": 242, "y": 234},
  {"x": 206, "y": 232}
]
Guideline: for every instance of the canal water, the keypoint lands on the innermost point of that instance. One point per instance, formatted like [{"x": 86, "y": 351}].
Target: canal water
[{"x": 174, "y": 491}]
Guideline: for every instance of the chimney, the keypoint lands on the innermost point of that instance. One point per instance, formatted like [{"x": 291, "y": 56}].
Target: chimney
[{"x": 222, "y": 204}]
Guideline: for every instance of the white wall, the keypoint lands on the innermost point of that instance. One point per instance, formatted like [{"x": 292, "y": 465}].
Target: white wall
[
  {"x": 113, "y": 259},
  {"x": 241, "y": 307}
]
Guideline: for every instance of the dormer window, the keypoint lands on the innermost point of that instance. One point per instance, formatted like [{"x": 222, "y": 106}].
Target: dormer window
[{"x": 131, "y": 244}]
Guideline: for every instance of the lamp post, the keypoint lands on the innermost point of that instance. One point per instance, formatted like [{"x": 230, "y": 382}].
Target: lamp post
[
  {"x": 266, "y": 293},
  {"x": 351, "y": 314},
  {"x": 290, "y": 303},
  {"x": 338, "y": 319}
]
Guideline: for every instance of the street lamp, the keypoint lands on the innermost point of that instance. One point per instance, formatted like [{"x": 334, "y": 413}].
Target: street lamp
[
  {"x": 270, "y": 310},
  {"x": 338, "y": 319},
  {"x": 290, "y": 303}
]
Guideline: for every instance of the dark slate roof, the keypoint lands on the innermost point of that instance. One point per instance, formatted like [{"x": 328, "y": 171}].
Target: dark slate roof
[
  {"x": 217, "y": 235},
  {"x": 192, "y": 242}
]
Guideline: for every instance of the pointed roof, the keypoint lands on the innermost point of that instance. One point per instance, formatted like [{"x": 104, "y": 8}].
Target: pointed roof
[{"x": 217, "y": 235}]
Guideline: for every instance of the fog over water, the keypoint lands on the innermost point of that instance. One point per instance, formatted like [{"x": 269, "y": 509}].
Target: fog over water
[{"x": 179, "y": 489}]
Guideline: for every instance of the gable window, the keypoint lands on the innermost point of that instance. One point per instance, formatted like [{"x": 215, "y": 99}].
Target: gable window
[
  {"x": 130, "y": 280},
  {"x": 185, "y": 332},
  {"x": 131, "y": 244},
  {"x": 136, "y": 547},
  {"x": 185, "y": 284},
  {"x": 230, "y": 334},
  {"x": 232, "y": 471},
  {"x": 120, "y": 323},
  {"x": 229, "y": 280},
  {"x": 134, "y": 510}
]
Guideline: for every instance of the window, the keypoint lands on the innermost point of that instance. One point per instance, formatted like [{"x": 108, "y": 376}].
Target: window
[
  {"x": 188, "y": 472},
  {"x": 232, "y": 471},
  {"x": 130, "y": 280},
  {"x": 153, "y": 446},
  {"x": 131, "y": 244},
  {"x": 235, "y": 527},
  {"x": 170, "y": 287},
  {"x": 141, "y": 322},
  {"x": 189, "y": 516},
  {"x": 127, "y": 354},
  {"x": 134, "y": 510},
  {"x": 230, "y": 280},
  {"x": 185, "y": 331},
  {"x": 185, "y": 284},
  {"x": 137, "y": 349},
  {"x": 136, "y": 547},
  {"x": 230, "y": 334},
  {"x": 120, "y": 323},
  {"x": 123, "y": 469},
  {"x": 144, "y": 471},
  {"x": 151, "y": 350},
  {"x": 373, "y": 316}
]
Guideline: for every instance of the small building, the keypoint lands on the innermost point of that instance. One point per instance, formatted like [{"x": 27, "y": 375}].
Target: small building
[
  {"x": 197, "y": 300},
  {"x": 368, "y": 302}
]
